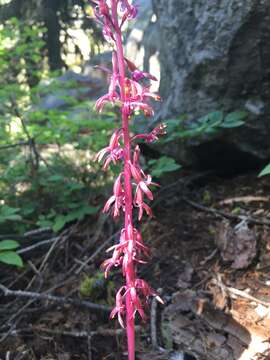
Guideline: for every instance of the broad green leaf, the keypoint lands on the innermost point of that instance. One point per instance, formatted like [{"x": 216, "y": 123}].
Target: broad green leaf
[
  {"x": 14, "y": 217},
  {"x": 234, "y": 119},
  {"x": 60, "y": 222},
  {"x": 230, "y": 125},
  {"x": 56, "y": 178},
  {"x": 163, "y": 165},
  {"x": 236, "y": 116},
  {"x": 11, "y": 258},
  {"x": 78, "y": 214},
  {"x": 8, "y": 245},
  {"x": 265, "y": 171},
  {"x": 215, "y": 118},
  {"x": 45, "y": 223},
  {"x": 7, "y": 210}
]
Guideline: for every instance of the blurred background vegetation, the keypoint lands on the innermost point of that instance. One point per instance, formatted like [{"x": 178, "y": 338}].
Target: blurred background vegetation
[{"x": 49, "y": 130}]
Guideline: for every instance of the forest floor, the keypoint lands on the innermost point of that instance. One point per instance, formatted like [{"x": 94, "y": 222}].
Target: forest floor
[{"x": 210, "y": 242}]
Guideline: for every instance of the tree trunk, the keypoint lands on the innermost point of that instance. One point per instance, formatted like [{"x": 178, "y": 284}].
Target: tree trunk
[
  {"x": 51, "y": 19},
  {"x": 13, "y": 9}
]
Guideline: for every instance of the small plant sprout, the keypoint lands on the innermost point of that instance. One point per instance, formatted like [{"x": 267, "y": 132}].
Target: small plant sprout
[{"x": 132, "y": 188}]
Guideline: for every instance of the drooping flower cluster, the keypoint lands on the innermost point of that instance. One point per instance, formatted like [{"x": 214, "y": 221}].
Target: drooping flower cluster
[{"x": 133, "y": 187}]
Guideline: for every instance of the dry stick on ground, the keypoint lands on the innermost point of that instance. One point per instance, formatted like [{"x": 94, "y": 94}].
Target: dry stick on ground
[
  {"x": 244, "y": 295},
  {"x": 38, "y": 245},
  {"x": 233, "y": 291},
  {"x": 57, "y": 299},
  {"x": 153, "y": 324},
  {"x": 27, "y": 235},
  {"x": 64, "y": 235},
  {"x": 75, "y": 334},
  {"x": 39, "y": 231},
  {"x": 89, "y": 339},
  {"x": 223, "y": 214},
  {"x": 244, "y": 199}
]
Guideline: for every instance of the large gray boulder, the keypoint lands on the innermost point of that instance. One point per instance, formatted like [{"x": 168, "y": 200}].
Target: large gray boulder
[{"x": 215, "y": 55}]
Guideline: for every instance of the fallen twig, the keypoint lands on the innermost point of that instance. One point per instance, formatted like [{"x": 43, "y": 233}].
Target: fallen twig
[
  {"x": 223, "y": 214},
  {"x": 75, "y": 334},
  {"x": 27, "y": 235},
  {"x": 244, "y": 199},
  {"x": 233, "y": 291},
  {"x": 153, "y": 324},
  {"x": 244, "y": 295},
  {"x": 39, "y": 231},
  {"x": 37, "y": 245},
  {"x": 56, "y": 299}
]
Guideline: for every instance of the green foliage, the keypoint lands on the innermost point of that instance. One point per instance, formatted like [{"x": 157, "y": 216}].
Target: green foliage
[
  {"x": 8, "y": 254},
  {"x": 48, "y": 176},
  {"x": 162, "y": 165},
  {"x": 211, "y": 123},
  {"x": 8, "y": 213},
  {"x": 265, "y": 171}
]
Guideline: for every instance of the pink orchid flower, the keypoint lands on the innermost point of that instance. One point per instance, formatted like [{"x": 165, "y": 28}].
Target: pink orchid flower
[
  {"x": 131, "y": 95},
  {"x": 113, "y": 152}
]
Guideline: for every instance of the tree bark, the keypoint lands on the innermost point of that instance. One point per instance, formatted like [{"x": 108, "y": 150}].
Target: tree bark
[
  {"x": 51, "y": 19},
  {"x": 13, "y": 9}
]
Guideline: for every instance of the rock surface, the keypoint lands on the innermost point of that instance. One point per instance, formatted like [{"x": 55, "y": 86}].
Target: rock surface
[
  {"x": 215, "y": 55},
  {"x": 207, "y": 333}
]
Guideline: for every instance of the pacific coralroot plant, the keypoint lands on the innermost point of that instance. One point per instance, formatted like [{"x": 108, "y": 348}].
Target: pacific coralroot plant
[{"x": 131, "y": 189}]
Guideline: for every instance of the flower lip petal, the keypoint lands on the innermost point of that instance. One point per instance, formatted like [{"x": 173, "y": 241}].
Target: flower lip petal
[{"x": 146, "y": 190}]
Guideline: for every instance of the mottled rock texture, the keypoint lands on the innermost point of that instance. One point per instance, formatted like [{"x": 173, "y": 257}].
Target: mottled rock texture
[{"x": 215, "y": 55}]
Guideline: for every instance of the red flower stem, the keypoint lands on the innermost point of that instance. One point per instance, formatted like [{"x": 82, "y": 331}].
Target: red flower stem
[{"x": 130, "y": 274}]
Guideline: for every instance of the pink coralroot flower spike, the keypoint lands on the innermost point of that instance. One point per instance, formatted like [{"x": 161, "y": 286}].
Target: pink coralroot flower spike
[{"x": 126, "y": 90}]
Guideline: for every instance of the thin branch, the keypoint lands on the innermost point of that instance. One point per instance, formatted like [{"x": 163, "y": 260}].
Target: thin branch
[
  {"x": 57, "y": 299},
  {"x": 31, "y": 140},
  {"x": 38, "y": 245},
  {"x": 9, "y": 146},
  {"x": 75, "y": 334},
  {"x": 223, "y": 214},
  {"x": 244, "y": 295},
  {"x": 26, "y": 235},
  {"x": 154, "y": 324},
  {"x": 217, "y": 279},
  {"x": 39, "y": 231}
]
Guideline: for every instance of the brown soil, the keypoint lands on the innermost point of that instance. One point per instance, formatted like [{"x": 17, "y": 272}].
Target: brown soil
[{"x": 192, "y": 249}]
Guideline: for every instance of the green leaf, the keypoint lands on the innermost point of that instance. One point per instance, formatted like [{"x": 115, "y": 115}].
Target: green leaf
[
  {"x": 7, "y": 210},
  {"x": 163, "y": 165},
  {"x": 230, "y": 125},
  {"x": 11, "y": 258},
  {"x": 265, "y": 171},
  {"x": 8, "y": 245},
  {"x": 56, "y": 178},
  {"x": 234, "y": 119},
  {"x": 60, "y": 222},
  {"x": 215, "y": 118},
  {"x": 14, "y": 217}
]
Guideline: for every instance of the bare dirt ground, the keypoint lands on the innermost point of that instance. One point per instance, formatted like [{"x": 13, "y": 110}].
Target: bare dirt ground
[{"x": 210, "y": 242}]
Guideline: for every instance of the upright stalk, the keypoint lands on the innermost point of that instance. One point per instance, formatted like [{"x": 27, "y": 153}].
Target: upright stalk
[
  {"x": 130, "y": 278},
  {"x": 125, "y": 90}
]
